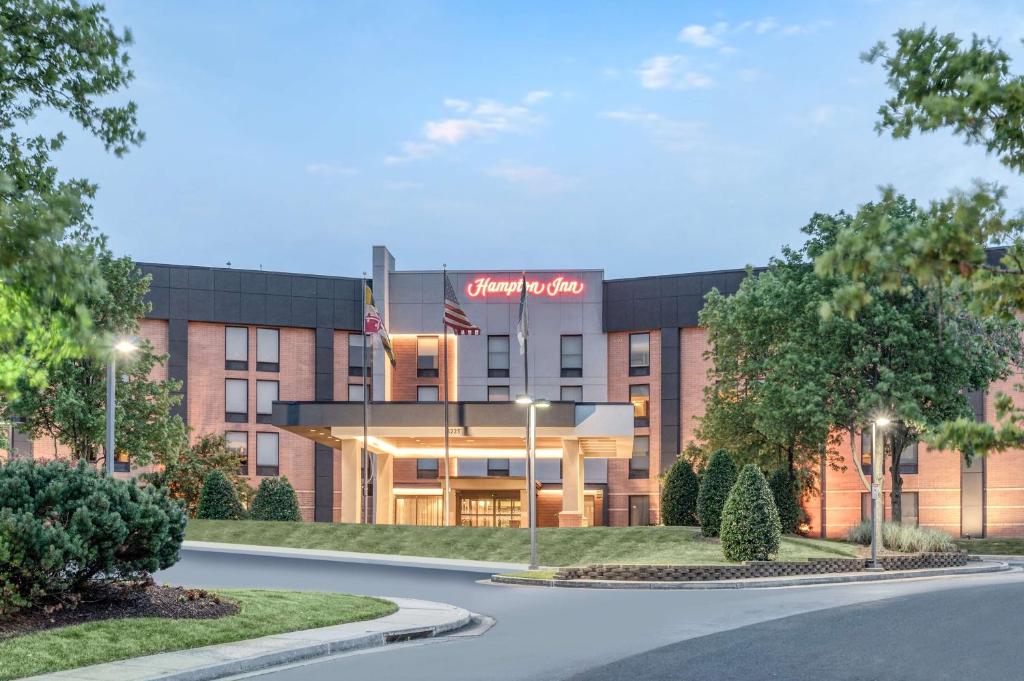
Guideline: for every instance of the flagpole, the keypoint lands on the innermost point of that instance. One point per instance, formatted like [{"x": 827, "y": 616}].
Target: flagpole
[
  {"x": 365, "y": 405},
  {"x": 447, "y": 459}
]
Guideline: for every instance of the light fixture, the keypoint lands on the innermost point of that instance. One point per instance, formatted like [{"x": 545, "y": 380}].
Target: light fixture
[
  {"x": 541, "y": 404},
  {"x": 125, "y": 346},
  {"x": 882, "y": 421},
  {"x": 524, "y": 399}
]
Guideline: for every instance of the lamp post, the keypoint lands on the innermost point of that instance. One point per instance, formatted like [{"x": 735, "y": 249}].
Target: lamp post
[
  {"x": 531, "y": 472},
  {"x": 877, "y": 475},
  {"x": 124, "y": 347}
]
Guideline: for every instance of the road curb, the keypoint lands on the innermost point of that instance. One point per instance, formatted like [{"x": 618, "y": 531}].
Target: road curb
[
  {"x": 842, "y": 578},
  {"x": 415, "y": 619}
]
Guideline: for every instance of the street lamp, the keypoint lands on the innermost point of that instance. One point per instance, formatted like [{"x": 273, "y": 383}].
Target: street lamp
[
  {"x": 125, "y": 346},
  {"x": 531, "y": 473},
  {"x": 877, "y": 475}
]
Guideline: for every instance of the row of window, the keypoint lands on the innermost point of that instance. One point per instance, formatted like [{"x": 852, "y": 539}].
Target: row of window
[
  {"x": 236, "y": 400},
  {"x": 267, "y": 451},
  {"x": 236, "y": 349},
  {"x": 908, "y": 459}
]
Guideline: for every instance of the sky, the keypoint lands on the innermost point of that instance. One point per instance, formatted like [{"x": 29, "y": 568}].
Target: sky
[{"x": 636, "y": 137}]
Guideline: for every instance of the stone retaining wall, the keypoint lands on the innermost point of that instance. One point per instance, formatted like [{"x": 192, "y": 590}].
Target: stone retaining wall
[{"x": 754, "y": 569}]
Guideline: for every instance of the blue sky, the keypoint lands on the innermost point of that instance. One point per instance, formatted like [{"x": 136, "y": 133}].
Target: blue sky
[{"x": 641, "y": 138}]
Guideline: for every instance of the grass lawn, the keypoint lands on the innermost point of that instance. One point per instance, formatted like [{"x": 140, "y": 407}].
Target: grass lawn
[
  {"x": 995, "y": 547},
  {"x": 556, "y": 546},
  {"x": 261, "y": 613}
]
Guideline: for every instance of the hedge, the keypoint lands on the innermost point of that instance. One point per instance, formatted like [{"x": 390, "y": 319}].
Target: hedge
[
  {"x": 275, "y": 500},
  {"x": 218, "y": 500}
]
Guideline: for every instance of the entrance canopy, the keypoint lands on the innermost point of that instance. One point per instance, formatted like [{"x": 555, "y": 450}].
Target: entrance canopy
[{"x": 476, "y": 429}]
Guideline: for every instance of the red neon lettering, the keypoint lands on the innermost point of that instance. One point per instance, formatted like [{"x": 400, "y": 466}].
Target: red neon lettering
[{"x": 558, "y": 287}]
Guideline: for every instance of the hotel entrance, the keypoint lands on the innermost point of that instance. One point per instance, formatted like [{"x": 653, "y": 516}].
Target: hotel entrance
[{"x": 489, "y": 509}]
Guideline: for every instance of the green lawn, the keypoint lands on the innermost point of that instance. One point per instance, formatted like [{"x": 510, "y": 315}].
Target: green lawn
[
  {"x": 262, "y": 613},
  {"x": 557, "y": 546},
  {"x": 995, "y": 547}
]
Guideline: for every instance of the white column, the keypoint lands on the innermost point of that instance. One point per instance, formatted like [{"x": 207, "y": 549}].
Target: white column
[
  {"x": 572, "y": 485},
  {"x": 383, "y": 489},
  {"x": 351, "y": 482}
]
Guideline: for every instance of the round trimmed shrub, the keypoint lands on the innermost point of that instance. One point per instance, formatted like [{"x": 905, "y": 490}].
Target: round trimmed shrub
[
  {"x": 275, "y": 500},
  {"x": 785, "y": 495},
  {"x": 679, "y": 494},
  {"x": 719, "y": 477},
  {"x": 218, "y": 500},
  {"x": 62, "y": 527},
  {"x": 750, "y": 522}
]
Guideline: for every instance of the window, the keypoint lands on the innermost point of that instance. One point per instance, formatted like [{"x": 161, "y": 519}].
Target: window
[
  {"x": 640, "y": 396},
  {"x": 266, "y": 395},
  {"x": 355, "y": 354},
  {"x": 908, "y": 459},
  {"x": 236, "y": 348},
  {"x": 239, "y": 441},
  {"x": 267, "y": 350},
  {"x": 497, "y": 356},
  {"x": 572, "y": 356},
  {"x": 122, "y": 464},
  {"x": 865, "y": 451},
  {"x": 426, "y": 469},
  {"x": 418, "y": 510},
  {"x": 267, "y": 446},
  {"x": 236, "y": 400},
  {"x": 640, "y": 462},
  {"x": 488, "y": 509},
  {"x": 497, "y": 393},
  {"x": 865, "y": 506},
  {"x": 427, "y": 393},
  {"x": 355, "y": 392},
  {"x": 639, "y": 509},
  {"x": 639, "y": 354},
  {"x": 497, "y": 467},
  {"x": 426, "y": 356},
  {"x": 571, "y": 393},
  {"x": 909, "y": 509}
]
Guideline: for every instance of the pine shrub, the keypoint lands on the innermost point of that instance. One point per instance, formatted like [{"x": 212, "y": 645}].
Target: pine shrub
[
  {"x": 750, "y": 522},
  {"x": 218, "y": 500},
  {"x": 275, "y": 500},
  {"x": 718, "y": 479},
  {"x": 62, "y": 527},
  {"x": 785, "y": 495},
  {"x": 679, "y": 494}
]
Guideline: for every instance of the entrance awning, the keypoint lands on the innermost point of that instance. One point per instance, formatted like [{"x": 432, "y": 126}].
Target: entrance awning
[{"x": 476, "y": 429}]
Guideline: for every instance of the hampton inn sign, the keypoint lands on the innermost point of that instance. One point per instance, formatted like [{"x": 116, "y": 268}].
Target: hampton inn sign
[{"x": 556, "y": 287}]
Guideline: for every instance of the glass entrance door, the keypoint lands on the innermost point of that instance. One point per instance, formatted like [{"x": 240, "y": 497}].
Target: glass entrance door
[{"x": 489, "y": 509}]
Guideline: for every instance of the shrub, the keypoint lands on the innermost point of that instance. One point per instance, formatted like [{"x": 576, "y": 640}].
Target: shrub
[
  {"x": 750, "y": 522},
  {"x": 184, "y": 475},
  {"x": 679, "y": 494},
  {"x": 904, "y": 538},
  {"x": 784, "y": 493},
  {"x": 275, "y": 500},
  {"x": 719, "y": 477},
  {"x": 218, "y": 500},
  {"x": 63, "y": 526}
]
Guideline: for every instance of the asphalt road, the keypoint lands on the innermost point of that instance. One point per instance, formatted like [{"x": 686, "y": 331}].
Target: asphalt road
[{"x": 550, "y": 634}]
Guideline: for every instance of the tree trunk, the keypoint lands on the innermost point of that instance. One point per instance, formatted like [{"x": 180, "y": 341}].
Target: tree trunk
[
  {"x": 790, "y": 466},
  {"x": 898, "y": 441}
]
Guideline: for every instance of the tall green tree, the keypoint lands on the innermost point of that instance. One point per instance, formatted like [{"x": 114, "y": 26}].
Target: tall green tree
[
  {"x": 941, "y": 82},
  {"x": 56, "y": 57},
  {"x": 183, "y": 476},
  {"x": 71, "y": 407}
]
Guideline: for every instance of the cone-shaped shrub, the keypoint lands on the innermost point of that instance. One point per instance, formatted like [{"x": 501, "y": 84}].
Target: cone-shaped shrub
[
  {"x": 275, "y": 500},
  {"x": 218, "y": 500},
  {"x": 679, "y": 494},
  {"x": 718, "y": 479},
  {"x": 750, "y": 522},
  {"x": 784, "y": 494}
]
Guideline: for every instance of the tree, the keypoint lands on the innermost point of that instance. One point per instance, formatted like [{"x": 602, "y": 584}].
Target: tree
[
  {"x": 937, "y": 83},
  {"x": 71, "y": 408},
  {"x": 718, "y": 479},
  {"x": 275, "y": 500},
  {"x": 785, "y": 494},
  {"x": 679, "y": 494},
  {"x": 750, "y": 521},
  {"x": 218, "y": 500},
  {"x": 65, "y": 58},
  {"x": 183, "y": 476}
]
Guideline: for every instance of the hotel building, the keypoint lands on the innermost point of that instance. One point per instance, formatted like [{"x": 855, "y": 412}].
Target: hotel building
[{"x": 275, "y": 362}]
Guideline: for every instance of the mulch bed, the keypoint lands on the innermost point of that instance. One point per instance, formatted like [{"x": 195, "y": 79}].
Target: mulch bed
[{"x": 122, "y": 600}]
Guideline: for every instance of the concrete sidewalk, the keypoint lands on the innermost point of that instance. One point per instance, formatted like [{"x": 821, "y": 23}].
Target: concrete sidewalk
[
  {"x": 481, "y": 566},
  {"x": 414, "y": 619}
]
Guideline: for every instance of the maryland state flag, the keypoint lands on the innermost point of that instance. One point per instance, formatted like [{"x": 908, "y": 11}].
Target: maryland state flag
[{"x": 373, "y": 324}]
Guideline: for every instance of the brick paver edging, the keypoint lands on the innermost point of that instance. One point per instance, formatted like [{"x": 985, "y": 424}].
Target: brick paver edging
[
  {"x": 414, "y": 619},
  {"x": 760, "y": 583},
  {"x": 757, "y": 569}
]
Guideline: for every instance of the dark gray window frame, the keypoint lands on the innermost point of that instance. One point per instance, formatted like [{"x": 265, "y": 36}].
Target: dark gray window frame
[
  {"x": 268, "y": 366},
  {"x": 236, "y": 416},
  {"x": 639, "y": 369},
  {"x": 243, "y": 463},
  {"x": 428, "y": 372},
  {"x": 570, "y": 372},
  {"x": 641, "y": 421},
  {"x": 563, "y": 398},
  {"x": 637, "y": 472},
  {"x": 498, "y": 372},
  {"x": 268, "y": 471},
  {"x": 236, "y": 364},
  {"x": 426, "y": 472},
  {"x": 498, "y": 471},
  {"x": 265, "y": 417}
]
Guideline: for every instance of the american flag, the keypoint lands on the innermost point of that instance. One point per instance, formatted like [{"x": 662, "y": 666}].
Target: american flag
[{"x": 454, "y": 317}]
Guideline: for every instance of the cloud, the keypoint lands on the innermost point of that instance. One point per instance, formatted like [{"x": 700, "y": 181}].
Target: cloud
[
  {"x": 700, "y": 36},
  {"x": 536, "y": 96},
  {"x": 671, "y": 72},
  {"x": 771, "y": 26},
  {"x": 411, "y": 151},
  {"x": 459, "y": 105},
  {"x": 536, "y": 179},
  {"x": 330, "y": 169},
  {"x": 452, "y": 130},
  {"x": 669, "y": 133}
]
